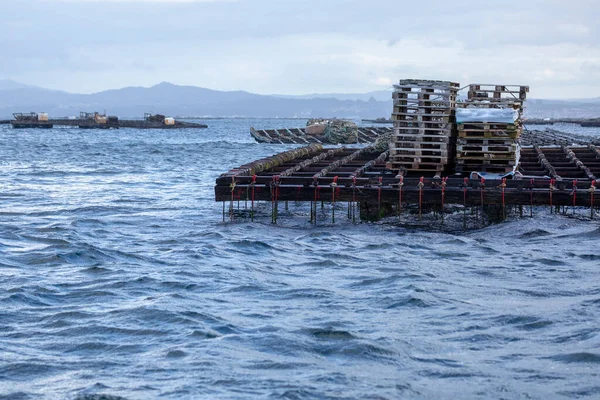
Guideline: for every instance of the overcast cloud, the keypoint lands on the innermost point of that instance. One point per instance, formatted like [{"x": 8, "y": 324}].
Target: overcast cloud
[{"x": 301, "y": 46}]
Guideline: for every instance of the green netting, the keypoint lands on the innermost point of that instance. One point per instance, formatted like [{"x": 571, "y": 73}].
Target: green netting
[
  {"x": 337, "y": 131},
  {"x": 383, "y": 142}
]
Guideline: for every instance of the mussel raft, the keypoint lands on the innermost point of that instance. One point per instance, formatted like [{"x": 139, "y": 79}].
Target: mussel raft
[{"x": 551, "y": 171}]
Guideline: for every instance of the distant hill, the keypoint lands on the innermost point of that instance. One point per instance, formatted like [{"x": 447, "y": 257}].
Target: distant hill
[
  {"x": 175, "y": 100},
  {"x": 167, "y": 98},
  {"x": 379, "y": 95},
  {"x": 581, "y": 108}
]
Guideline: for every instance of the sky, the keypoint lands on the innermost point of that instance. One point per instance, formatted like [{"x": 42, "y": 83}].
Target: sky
[{"x": 302, "y": 46}]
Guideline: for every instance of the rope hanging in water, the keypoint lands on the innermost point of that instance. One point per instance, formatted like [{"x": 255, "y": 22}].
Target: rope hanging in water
[
  {"x": 503, "y": 187},
  {"x": 316, "y": 185},
  {"x": 574, "y": 194},
  {"x": 379, "y": 198},
  {"x": 531, "y": 198},
  {"x": 232, "y": 187},
  {"x": 443, "y": 195},
  {"x": 333, "y": 186},
  {"x": 465, "y": 184},
  {"x": 252, "y": 204},
  {"x": 354, "y": 199},
  {"x": 274, "y": 198},
  {"x": 420, "y": 186},
  {"x": 551, "y": 188},
  {"x": 400, "y": 185},
  {"x": 481, "y": 192},
  {"x": 592, "y": 189}
]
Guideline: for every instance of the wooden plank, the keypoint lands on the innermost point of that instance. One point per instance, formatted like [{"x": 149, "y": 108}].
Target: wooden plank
[{"x": 498, "y": 134}]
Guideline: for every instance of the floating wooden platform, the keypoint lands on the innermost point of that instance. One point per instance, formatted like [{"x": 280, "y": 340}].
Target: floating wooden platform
[
  {"x": 378, "y": 121},
  {"x": 552, "y": 137},
  {"x": 299, "y": 135},
  {"x": 554, "y": 176},
  {"x": 91, "y": 124},
  {"x": 585, "y": 122}
]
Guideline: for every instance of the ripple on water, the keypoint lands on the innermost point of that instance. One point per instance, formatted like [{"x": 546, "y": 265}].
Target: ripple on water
[
  {"x": 582, "y": 357},
  {"x": 119, "y": 278}
]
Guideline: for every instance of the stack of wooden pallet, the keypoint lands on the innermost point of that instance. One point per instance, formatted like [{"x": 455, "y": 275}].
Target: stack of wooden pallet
[
  {"x": 497, "y": 96},
  {"x": 424, "y": 125},
  {"x": 489, "y": 126}
]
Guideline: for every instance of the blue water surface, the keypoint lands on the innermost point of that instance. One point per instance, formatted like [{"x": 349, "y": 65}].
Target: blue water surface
[{"x": 119, "y": 277}]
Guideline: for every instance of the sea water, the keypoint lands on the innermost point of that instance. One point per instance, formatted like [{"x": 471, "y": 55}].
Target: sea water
[{"x": 118, "y": 277}]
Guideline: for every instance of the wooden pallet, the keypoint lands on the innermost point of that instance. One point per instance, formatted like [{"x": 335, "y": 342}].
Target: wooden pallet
[
  {"x": 478, "y": 126},
  {"x": 501, "y": 148},
  {"x": 486, "y": 158},
  {"x": 515, "y": 105},
  {"x": 423, "y": 124},
  {"x": 424, "y": 118},
  {"x": 423, "y": 106},
  {"x": 419, "y": 166},
  {"x": 421, "y": 145},
  {"x": 483, "y": 168},
  {"x": 440, "y": 117},
  {"x": 431, "y": 84},
  {"x": 399, "y": 153},
  {"x": 486, "y": 134},
  {"x": 399, "y": 138},
  {"x": 425, "y": 159},
  {"x": 498, "y": 91},
  {"x": 494, "y": 141},
  {"x": 500, "y": 161}
]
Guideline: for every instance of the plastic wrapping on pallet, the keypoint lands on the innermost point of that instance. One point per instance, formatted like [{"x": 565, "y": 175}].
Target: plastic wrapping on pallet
[{"x": 498, "y": 115}]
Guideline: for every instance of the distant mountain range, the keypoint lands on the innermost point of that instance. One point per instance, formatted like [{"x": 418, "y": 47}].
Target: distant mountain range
[
  {"x": 175, "y": 100},
  {"x": 166, "y": 98},
  {"x": 379, "y": 95}
]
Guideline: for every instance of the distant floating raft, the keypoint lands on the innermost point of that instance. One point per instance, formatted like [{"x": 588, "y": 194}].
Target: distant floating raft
[
  {"x": 93, "y": 124},
  {"x": 299, "y": 135}
]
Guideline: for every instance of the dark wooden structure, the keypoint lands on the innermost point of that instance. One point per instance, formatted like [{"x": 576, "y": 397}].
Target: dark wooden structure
[
  {"x": 379, "y": 121},
  {"x": 96, "y": 120},
  {"x": 30, "y": 120},
  {"x": 564, "y": 175},
  {"x": 585, "y": 122},
  {"x": 299, "y": 135}
]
